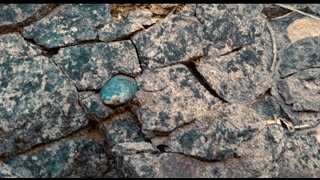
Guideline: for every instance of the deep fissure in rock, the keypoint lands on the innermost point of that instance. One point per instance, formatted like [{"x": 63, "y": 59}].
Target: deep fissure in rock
[
  {"x": 193, "y": 69},
  {"x": 17, "y": 27}
]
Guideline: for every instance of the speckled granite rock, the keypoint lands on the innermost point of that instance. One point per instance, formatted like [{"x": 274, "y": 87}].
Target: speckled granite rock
[
  {"x": 267, "y": 107},
  {"x": 38, "y": 103},
  {"x": 300, "y": 55},
  {"x": 124, "y": 148},
  {"x": 297, "y": 41},
  {"x": 120, "y": 129},
  {"x": 68, "y": 24},
  {"x": 230, "y": 26},
  {"x": 7, "y": 172},
  {"x": 225, "y": 133},
  {"x": 302, "y": 155},
  {"x": 94, "y": 106},
  {"x": 301, "y": 90},
  {"x": 72, "y": 23},
  {"x": 241, "y": 75},
  {"x": 175, "y": 39},
  {"x": 208, "y": 83},
  {"x": 82, "y": 157},
  {"x": 90, "y": 66},
  {"x": 118, "y": 90},
  {"x": 179, "y": 166},
  {"x": 122, "y": 28},
  {"x": 170, "y": 97},
  {"x": 15, "y": 13}
]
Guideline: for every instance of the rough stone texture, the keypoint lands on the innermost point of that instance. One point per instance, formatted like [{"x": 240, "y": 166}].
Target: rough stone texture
[
  {"x": 82, "y": 157},
  {"x": 267, "y": 107},
  {"x": 241, "y": 75},
  {"x": 171, "y": 97},
  {"x": 38, "y": 103},
  {"x": 15, "y": 13},
  {"x": 176, "y": 39},
  {"x": 72, "y": 23},
  {"x": 231, "y": 131},
  {"x": 121, "y": 129},
  {"x": 121, "y": 28},
  {"x": 297, "y": 69},
  {"x": 300, "y": 55},
  {"x": 213, "y": 79},
  {"x": 133, "y": 148},
  {"x": 301, "y": 90},
  {"x": 230, "y": 26},
  {"x": 94, "y": 106},
  {"x": 302, "y": 156},
  {"x": 7, "y": 172},
  {"x": 90, "y": 66},
  {"x": 68, "y": 24}
]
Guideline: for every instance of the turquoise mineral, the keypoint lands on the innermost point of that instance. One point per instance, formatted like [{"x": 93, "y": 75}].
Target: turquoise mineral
[{"x": 118, "y": 90}]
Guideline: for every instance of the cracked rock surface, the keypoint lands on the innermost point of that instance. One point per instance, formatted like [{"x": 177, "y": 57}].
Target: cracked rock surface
[{"x": 224, "y": 90}]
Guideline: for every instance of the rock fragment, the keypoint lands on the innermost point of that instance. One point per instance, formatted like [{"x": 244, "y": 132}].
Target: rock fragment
[
  {"x": 118, "y": 90},
  {"x": 170, "y": 97},
  {"x": 90, "y": 66},
  {"x": 15, "y": 13},
  {"x": 175, "y": 39},
  {"x": 82, "y": 157},
  {"x": 38, "y": 102}
]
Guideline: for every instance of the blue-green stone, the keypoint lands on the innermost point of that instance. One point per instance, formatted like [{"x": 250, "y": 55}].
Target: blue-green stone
[{"x": 118, "y": 90}]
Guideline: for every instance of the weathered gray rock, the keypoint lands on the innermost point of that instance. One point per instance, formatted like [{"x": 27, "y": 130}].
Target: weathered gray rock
[
  {"x": 82, "y": 157},
  {"x": 15, "y": 13},
  {"x": 230, "y": 131},
  {"x": 176, "y": 38},
  {"x": 297, "y": 42},
  {"x": 38, "y": 103},
  {"x": 239, "y": 51},
  {"x": 241, "y": 76},
  {"x": 68, "y": 24},
  {"x": 204, "y": 118},
  {"x": 90, "y": 66},
  {"x": 267, "y": 107},
  {"x": 301, "y": 55},
  {"x": 172, "y": 165},
  {"x": 170, "y": 97},
  {"x": 230, "y": 26},
  {"x": 301, "y": 90},
  {"x": 122, "y": 28},
  {"x": 72, "y": 23},
  {"x": 7, "y": 172},
  {"x": 120, "y": 129},
  {"x": 124, "y": 148},
  {"x": 94, "y": 106},
  {"x": 301, "y": 157}
]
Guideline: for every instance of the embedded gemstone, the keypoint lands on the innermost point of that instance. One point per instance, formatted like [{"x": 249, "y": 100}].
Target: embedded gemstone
[{"x": 118, "y": 90}]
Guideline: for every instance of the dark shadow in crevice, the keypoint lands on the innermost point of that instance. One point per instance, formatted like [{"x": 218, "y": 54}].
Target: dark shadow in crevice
[
  {"x": 44, "y": 51},
  {"x": 274, "y": 11},
  {"x": 17, "y": 27},
  {"x": 193, "y": 69},
  {"x": 232, "y": 51},
  {"x": 162, "y": 148}
]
